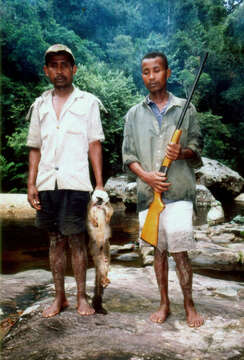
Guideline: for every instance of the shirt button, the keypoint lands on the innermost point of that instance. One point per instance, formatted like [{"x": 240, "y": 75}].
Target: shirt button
[{"x": 57, "y": 127}]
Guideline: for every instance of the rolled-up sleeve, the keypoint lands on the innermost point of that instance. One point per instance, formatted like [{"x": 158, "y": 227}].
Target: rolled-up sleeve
[
  {"x": 195, "y": 139},
  {"x": 34, "y": 133},
  {"x": 129, "y": 153},
  {"x": 95, "y": 130}
]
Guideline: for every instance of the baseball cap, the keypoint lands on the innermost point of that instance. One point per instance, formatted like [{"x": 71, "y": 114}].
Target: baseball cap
[{"x": 56, "y": 48}]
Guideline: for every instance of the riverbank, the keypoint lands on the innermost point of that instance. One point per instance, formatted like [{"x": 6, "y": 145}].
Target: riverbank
[{"x": 126, "y": 331}]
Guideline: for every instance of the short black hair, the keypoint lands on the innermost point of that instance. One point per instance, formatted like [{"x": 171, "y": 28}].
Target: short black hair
[
  {"x": 50, "y": 54},
  {"x": 153, "y": 55}
]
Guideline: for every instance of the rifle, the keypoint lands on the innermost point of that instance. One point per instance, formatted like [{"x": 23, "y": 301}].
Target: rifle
[{"x": 150, "y": 228}]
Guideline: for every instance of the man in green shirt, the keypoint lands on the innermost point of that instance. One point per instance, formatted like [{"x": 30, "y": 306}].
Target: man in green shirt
[{"x": 148, "y": 130}]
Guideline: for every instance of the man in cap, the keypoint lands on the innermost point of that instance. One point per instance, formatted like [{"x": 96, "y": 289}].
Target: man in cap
[{"x": 65, "y": 130}]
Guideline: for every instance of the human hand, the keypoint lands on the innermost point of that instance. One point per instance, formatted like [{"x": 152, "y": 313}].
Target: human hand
[
  {"x": 157, "y": 180},
  {"x": 33, "y": 197},
  {"x": 173, "y": 151},
  {"x": 100, "y": 194}
]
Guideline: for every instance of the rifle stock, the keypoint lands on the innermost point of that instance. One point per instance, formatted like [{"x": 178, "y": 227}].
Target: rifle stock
[{"x": 150, "y": 228}]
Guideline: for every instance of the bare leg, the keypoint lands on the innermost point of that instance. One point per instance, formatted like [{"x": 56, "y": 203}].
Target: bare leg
[
  {"x": 57, "y": 258},
  {"x": 79, "y": 264},
  {"x": 161, "y": 271},
  {"x": 184, "y": 272},
  {"x": 98, "y": 293}
]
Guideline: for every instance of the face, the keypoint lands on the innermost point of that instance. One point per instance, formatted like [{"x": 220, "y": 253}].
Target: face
[
  {"x": 154, "y": 74},
  {"x": 60, "y": 71}
]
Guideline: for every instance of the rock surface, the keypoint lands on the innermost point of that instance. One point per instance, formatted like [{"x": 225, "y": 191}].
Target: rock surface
[
  {"x": 219, "y": 247},
  {"x": 125, "y": 333},
  {"x": 216, "y": 214},
  {"x": 219, "y": 178},
  {"x": 240, "y": 198},
  {"x": 15, "y": 206},
  {"x": 212, "y": 178}
]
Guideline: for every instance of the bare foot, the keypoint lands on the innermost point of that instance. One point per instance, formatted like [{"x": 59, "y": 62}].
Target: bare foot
[
  {"x": 193, "y": 318},
  {"x": 55, "y": 308},
  {"x": 161, "y": 315},
  {"x": 84, "y": 308}
]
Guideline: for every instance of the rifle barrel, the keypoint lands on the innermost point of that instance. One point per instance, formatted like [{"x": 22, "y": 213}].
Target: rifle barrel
[{"x": 191, "y": 93}]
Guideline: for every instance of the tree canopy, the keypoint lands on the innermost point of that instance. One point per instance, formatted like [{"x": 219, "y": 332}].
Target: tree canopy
[{"x": 108, "y": 39}]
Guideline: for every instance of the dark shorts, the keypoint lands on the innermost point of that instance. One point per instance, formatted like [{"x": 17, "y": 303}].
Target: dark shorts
[{"x": 63, "y": 211}]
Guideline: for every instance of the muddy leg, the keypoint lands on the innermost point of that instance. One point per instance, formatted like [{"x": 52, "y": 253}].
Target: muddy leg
[
  {"x": 184, "y": 272},
  {"x": 161, "y": 271},
  {"x": 79, "y": 264},
  {"x": 57, "y": 258},
  {"x": 98, "y": 293}
]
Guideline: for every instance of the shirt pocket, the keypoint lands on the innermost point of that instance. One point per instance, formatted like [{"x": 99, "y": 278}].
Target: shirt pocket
[{"x": 77, "y": 122}]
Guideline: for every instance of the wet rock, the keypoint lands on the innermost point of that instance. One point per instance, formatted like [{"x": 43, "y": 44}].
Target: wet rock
[
  {"x": 240, "y": 198},
  {"x": 147, "y": 254},
  {"x": 204, "y": 197},
  {"x": 218, "y": 247},
  {"x": 15, "y": 206},
  {"x": 238, "y": 219},
  {"x": 126, "y": 330},
  {"x": 219, "y": 178},
  {"x": 120, "y": 188},
  {"x": 116, "y": 249},
  {"x": 215, "y": 214},
  {"x": 128, "y": 257},
  {"x": 222, "y": 238}
]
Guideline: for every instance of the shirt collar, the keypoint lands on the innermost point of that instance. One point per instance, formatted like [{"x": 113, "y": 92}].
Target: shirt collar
[
  {"x": 172, "y": 101},
  {"x": 76, "y": 93}
]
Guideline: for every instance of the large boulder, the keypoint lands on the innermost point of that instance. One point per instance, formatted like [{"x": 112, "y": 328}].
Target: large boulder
[
  {"x": 15, "y": 206},
  {"x": 219, "y": 179},
  {"x": 121, "y": 189},
  {"x": 240, "y": 198}
]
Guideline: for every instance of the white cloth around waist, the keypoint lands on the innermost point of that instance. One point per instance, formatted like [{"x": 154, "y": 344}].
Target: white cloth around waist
[{"x": 175, "y": 232}]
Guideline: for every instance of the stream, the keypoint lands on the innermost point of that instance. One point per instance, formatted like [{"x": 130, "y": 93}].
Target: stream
[{"x": 24, "y": 247}]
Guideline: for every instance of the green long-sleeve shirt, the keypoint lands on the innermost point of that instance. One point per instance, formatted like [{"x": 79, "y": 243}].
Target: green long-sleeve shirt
[{"x": 145, "y": 142}]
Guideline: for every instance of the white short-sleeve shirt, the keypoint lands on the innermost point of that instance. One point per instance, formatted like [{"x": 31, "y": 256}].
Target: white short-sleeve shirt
[{"x": 64, "y": 142}]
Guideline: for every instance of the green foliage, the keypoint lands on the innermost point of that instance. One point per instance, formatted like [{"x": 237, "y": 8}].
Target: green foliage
[
  {"x": 14, "y": 173},
  {"x": 16, "y": 99},
  {"x": 117, "y": 94},
  {"x": 216, "y": 136},
  {"x": 109, "y": 38}
]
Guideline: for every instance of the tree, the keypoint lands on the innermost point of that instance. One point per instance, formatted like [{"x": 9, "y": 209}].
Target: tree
[{"x": 117, "y": 93}]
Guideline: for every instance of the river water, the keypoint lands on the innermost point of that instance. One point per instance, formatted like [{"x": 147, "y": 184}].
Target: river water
[{"x": 24, "y": 247}]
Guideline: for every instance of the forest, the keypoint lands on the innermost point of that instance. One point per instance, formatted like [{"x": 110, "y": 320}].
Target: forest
[{"x": 108, "y": 39}]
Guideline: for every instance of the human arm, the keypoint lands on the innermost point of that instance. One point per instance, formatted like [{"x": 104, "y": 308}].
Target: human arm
[
  {"x": 191, "y": 151},
  {"x": 177, "y": 152},
  {"x": 96, "y": 159},
  {"x": 34, "y": 159},
  {"x": 155, "y": 179}
]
